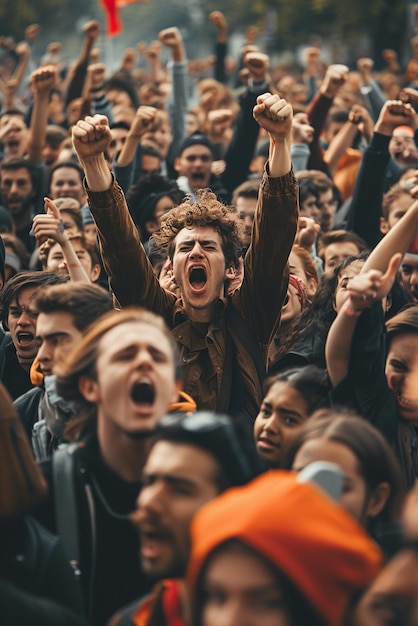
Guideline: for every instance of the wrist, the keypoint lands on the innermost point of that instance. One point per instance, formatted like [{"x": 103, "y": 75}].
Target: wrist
[
  {"x": 350, "y": 310},
  {"x": 326, "y": 92},
  {"x": 384, "y": 129},
  {"x": 257, "y": 83}
]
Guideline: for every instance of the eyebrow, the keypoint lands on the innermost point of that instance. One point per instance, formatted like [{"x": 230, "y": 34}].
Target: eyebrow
[
  {"x": 60, "y": 333},
  {"x": 170, "y": 479},
  {"x": 134, "y": 347},
  {"x": 284, "y": 409},
  {"x": 16, "y": 308},
  {"x": 203, "y": 242}
]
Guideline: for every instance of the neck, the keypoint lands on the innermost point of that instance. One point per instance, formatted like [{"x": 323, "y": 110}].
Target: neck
[
  {"x": 204, "y": 315},
  {"x": 22, "y": 220},
  {"x": 123, "y": 455},
  {"x": 25, "y": 363}
]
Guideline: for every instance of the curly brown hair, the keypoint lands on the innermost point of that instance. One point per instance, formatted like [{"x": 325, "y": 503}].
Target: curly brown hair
[{"x": 207, "y": 211}]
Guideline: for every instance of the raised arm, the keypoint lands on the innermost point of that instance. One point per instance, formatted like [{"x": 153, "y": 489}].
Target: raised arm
[
  {"x": 49, "y": 226},
  {"x": 43, "y": 80},
  {"x": 366, "y": 206},
  {"x": 265, "y": 283},
  {"x": 79, "y": 72},
  {"x": 177, "y": 106},
  {"x": 91, "y": 137},
  {"x": 219, "y": 21},
  {"x": 358, "y": 120},
  {"x": 275, "y": 115},
  {"x": 144, "y": 117},
  {"x": 241, "y": 148},
  {"x": 370, "y": 90},
  {"x": 130, "y": 273},
  {"x": 370, "y": 286},
  {"x": 334, "y": 79}
]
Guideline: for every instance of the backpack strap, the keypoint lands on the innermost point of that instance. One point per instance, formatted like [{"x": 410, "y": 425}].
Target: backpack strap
[
  {"x": 39, "y": 440},
  {"x": 66, "y": 503}
]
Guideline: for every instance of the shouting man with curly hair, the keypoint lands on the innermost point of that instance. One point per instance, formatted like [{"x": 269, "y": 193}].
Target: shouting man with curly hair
[{"x": 222, "y": 337}]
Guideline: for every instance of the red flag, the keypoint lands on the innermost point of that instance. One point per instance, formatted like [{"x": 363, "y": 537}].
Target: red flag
[{"x": 113, "y": 23}]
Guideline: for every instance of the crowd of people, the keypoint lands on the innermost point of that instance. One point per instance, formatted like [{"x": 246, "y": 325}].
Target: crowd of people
[{"x": 209, "y": 337}]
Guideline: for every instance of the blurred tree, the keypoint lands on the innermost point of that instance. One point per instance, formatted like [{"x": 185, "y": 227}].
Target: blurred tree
[
  {"x": 16, "y": 15},
  {"x": 384, "y": 21}
]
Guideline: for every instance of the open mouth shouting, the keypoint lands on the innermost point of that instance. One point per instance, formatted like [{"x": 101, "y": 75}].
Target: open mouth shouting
[
  {"x": 25, "y": 339},
  {"x": 154, "y": 540},
  {"x": 13, "y": 144},
  {"x": 197, "y": 278},
  {"x": 198, "y": 177},
  {"x": 143, "y": 395}
]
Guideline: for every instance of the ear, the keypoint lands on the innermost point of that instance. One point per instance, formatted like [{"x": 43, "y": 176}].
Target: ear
[
  {"x": 89, "y": 389},
  {"x": 230, "y": 273},
  {"x": 311, "y": 287},
  {"x": 383, "y": 226},
  {"x": 95, "y": 273},
  {"x": 177, "y": 164},
  {"x": 377, "y": 500}
]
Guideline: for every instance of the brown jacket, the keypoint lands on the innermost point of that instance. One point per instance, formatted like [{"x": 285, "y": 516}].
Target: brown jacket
[{"x": 258, "y": 302}]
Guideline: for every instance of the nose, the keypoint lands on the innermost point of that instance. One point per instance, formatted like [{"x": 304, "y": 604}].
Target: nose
[
  {"x": 272, "y": 424},
  {"x": 414, "y": 277},
  {"x": 44, "y": 354},
  {"x": 196, "y": 251},
  {"x": 24, "y": 319},
  {"x": 151, "y": 498},
  {"x": 143, "y": 359},
  {"x": 248, "y": 221},
  {"x": 14, "y": 188}
]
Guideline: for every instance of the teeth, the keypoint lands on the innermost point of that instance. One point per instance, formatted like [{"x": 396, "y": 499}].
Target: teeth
[
  {"x": 404, "y": 400},
  {"x": 24, "y": 337}
]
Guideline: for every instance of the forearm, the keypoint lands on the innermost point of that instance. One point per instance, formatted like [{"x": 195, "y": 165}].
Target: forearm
[
  {"x": 374, "y": 97},
  {"x": 220, "y": 54},
  {"x": 75, "y": 269},
  {"x": 343, "y": 140},
  {"x": 338, "y": 346},
  {"x": 76, "y": 82},
  {"x": 39, "y": 121},
  {"x": 128, "y": 151},
  {"x": 279, "y": 157},
  {"x": 365, "y": 212},
  {"x": 264, "y": 288},
  {"x": 178, "y": 107},
  {"x": 131, "y": 275},
  {"x": 98, "y": 176},
  {"x": 398, "y": 239},
  {"x": 20, "y": 71},
  {"x": 241, "y": 148}
]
